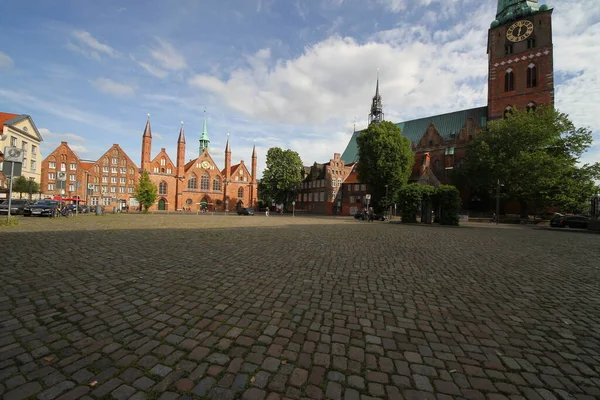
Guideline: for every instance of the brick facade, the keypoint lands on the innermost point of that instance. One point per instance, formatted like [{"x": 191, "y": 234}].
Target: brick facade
[
  {"x": 321, "y": 190},
  {"x": 536, "y": 51},
  {"x": 189, "y": 185},
  {"x": 113, "y": 176}
]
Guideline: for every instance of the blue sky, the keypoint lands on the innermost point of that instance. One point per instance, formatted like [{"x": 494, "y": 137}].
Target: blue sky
[{"x": 293, "y": 73}]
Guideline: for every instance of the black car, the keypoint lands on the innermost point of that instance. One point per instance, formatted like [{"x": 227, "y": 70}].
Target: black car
[
  {"x": 245, "y": 211},
  {"x": 48, "y": 208},
  {"x": 570, "y": 221},
  {"x": 16, "y": 207}
]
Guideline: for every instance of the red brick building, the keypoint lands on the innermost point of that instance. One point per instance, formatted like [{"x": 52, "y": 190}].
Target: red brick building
[
  {"x": 200, "y": 181},
  {"x": 521, "y": 75},
  {"x": 109, "y": 181}
]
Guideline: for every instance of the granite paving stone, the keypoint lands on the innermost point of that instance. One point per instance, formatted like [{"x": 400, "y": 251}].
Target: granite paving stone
[{"x": 177, "y": 306}]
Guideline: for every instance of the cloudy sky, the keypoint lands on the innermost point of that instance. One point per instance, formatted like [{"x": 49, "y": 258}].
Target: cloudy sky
[{"x": 287, "y": 73}]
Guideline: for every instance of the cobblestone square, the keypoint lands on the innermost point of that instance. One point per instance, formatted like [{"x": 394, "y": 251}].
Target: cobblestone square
[{"x": 227, "y": 307}]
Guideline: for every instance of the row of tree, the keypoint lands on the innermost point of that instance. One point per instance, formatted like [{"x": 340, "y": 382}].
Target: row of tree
[{"x": 25, "y": 186}]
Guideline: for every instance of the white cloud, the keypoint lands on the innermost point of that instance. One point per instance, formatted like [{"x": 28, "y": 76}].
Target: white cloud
[
  {"x": 335, "y": 79},
  {"x": 89, "y": 46},
  {"x": 108, "y": 86},
  {"x": 5, "y": 61},
  {"x": 159, "y": 73},
  {"x": 63, "y": 137},
  {"x": 168, "y": 56}
]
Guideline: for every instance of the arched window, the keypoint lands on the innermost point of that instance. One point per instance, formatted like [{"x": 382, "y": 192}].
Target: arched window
[
  {"x": 204, "y": 181},
  {"x": 193, "y": 182},
  {"x": 240, "y": 193},
  {"x": 217, "y": 184},
  {"x": 507, "y": 110},
  {"x": 189, "y": 202},
  {"x": 339, "y": 182},
  {"x": 509, "y": 80},
  {"x": 162, "y": 188},
  {"x": 531, "y": 106},
  {"x": 531, "y": 76}
]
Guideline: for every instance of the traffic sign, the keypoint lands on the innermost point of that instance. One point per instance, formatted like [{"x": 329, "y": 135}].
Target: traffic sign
[
  {"x": 368, "y": 197},
  {"x": 13, "y": 154},
  {"x": 61, "y": 176},
  {"x": 90, "y": 186}
]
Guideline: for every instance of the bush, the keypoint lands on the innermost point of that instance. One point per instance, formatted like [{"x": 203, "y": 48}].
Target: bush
[
  {"x": 447, "y": 200},
  {"x": 409, "y": 201}
]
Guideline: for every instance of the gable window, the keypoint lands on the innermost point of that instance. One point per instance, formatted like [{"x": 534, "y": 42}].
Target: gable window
[
  {"x": 530, "y": 43},
  {"x": 531, "y": 76},
  {"x": 339, "y": 182},
  {"x": 33, "y": 150},
  {"x": 449, "y": 151},
  {"x": 193, "y": 182},
  {"x": 508, "y": 49},
  {"x": 63, "y": 166},
  {"x": 204, "y": 181},
  {"x": 155, "y": 169},
  {"x": 509, "y": 80},
  {"x": 115, "y": 160},
  {"x": 163, "y": 161},
  {"x": 52, "y": 165},
  {"x": 13, "y": 141},
  {"x": 217, "y": 184},
  {"x": 162, "y": 188},
  {"x": 113, "y": 170},
  {"x": 333, "y": 182},
  {"x": 240, "y": 193}
]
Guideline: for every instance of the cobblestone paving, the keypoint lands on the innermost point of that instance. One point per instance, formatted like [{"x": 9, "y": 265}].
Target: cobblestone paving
[{"x": 218, "y": 307}]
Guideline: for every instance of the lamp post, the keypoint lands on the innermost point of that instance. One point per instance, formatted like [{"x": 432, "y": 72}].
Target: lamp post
[
  {"x": 293, "y": 208},
  {"x": 387, "y": 200},
  {"x": 498, "y": 185}
]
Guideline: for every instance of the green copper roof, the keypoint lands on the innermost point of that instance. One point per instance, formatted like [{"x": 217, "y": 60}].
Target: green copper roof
[
  {"x": 204, "y": 135},
  {"x": 509, "y": 10},
  {"x": 448, "y": 125}
]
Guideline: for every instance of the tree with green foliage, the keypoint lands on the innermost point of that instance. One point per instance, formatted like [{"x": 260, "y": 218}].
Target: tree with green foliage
[
  {"x": 409, "y": 201},
  {"x": 146, "y": 191},
  {"x": 23, "y": 185},
  {"x": 534, "y": 155},
  {"x": 447, "y": 201},
  {"x": 282, "y": 175},
  {"x": 384, "y": 158}
]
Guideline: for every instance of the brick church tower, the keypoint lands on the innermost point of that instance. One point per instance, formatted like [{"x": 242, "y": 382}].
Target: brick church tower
[{"x": 521, "y": 72}]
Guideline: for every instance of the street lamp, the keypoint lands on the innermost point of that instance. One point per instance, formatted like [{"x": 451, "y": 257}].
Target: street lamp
[
  {"x": 293, "y": 208},
  {"x": 498, "y": 201},
  {"x": 387, "y": 200}
]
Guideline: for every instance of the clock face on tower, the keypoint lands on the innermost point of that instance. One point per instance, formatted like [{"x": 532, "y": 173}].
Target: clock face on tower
[{"x": 519, "y": 31}]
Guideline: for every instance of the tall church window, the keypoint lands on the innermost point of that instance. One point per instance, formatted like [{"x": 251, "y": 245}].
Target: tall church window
[
  {"x": 509, "y": 80},
  {"x": 531, "y": 106},
  {"x": 240, "y": 193},
  {"x": 531, "y": 76},
  {"x": 530, "y": 43},
  {"x": 508, "y": 49},
  {"x": 193, "y": 182},
  {"x": 162, "y": 188},
  {"x": 217, "y": 184},
  {"x": 204, "y": 181}
]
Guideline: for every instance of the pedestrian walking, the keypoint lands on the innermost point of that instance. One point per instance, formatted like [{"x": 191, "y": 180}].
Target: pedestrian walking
[{"x": 267, "y": 212}]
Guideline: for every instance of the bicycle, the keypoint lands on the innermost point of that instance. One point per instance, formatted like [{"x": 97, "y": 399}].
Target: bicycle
[{"x": 66, "y": 212}]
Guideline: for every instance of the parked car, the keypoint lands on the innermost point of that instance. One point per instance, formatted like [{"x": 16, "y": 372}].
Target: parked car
[
  {"x": 16, "y": 206},
  {"x": 245, "y": 211},
  {"x": 570, "y": 221},
  {"x": 48, "y": 208}
]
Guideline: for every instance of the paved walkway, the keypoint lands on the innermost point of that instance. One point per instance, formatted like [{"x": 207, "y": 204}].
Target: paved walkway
[{"x": 130, "y": 306}]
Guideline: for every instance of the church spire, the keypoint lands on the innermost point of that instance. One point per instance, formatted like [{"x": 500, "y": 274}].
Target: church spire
[
  {"x": 227, "y": 148},
  {"x": 204, "y": 140},
  {"x": 376, "y": 115},
  {"x": 147, "y": 130},
  {"x": 181, "y": 135}
]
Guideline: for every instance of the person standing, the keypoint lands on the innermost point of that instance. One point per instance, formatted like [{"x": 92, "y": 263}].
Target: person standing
[{"x": 267, "y": 211}]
